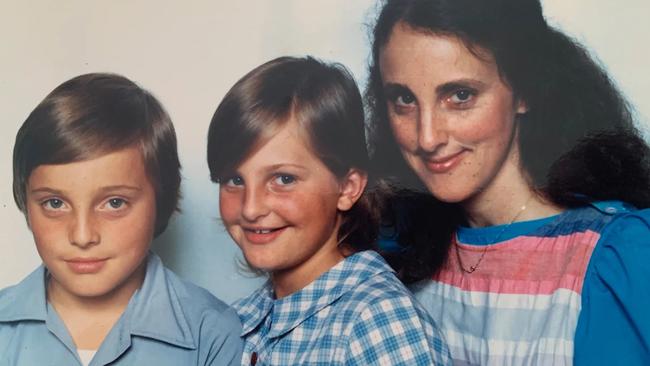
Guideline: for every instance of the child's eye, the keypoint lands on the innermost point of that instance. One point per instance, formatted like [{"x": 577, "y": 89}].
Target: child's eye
[
  {"x": 284, "y": 179},
  {"x": 115, "y": 203},
  {"x": 53, "y": 204},
  {"x": 233, "y": 181}
]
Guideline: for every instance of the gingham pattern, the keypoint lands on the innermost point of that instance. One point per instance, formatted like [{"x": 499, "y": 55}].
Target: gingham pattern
[{"x": 357, "y": 313}]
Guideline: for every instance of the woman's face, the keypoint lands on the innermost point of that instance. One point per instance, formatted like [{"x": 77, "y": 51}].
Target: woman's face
[{"x": 452, "y": 115}]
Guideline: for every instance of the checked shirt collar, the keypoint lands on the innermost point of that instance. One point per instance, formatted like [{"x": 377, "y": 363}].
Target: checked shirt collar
[{"x": 290, "y": 311}]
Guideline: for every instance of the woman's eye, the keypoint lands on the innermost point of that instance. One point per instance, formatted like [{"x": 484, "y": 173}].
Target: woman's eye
[
  {"x": 461, "y": 96},
  {"x": 404, "y": 99},
  {"x": 52, "y": 204},
  {"x": 284, "y": 179}
]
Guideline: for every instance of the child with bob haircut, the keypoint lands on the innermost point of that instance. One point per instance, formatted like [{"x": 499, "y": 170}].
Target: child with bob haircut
[
  {"x": 287, "y": 147},
  {"x": 97, "y": 175}
]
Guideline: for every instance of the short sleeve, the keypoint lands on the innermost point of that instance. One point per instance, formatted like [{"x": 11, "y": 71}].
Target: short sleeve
[
  {"x": 221, "y": 341},
  {"x": 614, "y": 324},
  {"x": 393, "y": 332}
]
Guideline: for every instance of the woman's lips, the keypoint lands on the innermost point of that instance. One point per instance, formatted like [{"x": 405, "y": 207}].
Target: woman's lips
[
  {"x": 444, "y": 164},
  {"x": 262, "y": 235},
  {"x": 86, "y": 265}
]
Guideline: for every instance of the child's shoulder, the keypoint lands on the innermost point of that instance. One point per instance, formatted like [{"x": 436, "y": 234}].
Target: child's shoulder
[
  {"x": 28, "y": 294},
  {"x": 192, "y": 295},
  {"x": 177, "y": 311},
  {"x": 197, "y": 304},
  {"x": 382, "y": 287},
  {"x": 377, "y": 289}
]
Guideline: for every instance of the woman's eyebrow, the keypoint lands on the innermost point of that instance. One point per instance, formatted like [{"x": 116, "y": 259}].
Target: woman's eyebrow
[
  {"x": 454, "y": 85},
  {"x": 395, "y": 88}
]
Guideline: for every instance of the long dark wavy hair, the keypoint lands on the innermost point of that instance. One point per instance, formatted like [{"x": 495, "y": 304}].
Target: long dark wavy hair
[{"x": 577, "y": 141}]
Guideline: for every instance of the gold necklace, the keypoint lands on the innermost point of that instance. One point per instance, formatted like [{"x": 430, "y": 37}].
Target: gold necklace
[{"x": 485, "y": 247}]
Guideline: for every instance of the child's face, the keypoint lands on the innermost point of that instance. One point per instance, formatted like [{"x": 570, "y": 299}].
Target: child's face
[
  {"x": 93, "y": 222},
  {"x": 281, "y": 207}
]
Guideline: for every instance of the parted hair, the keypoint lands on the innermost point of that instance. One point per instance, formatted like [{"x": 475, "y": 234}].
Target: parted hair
[
  {"x": 92, "y": 115},
  {"x": 323, "y": 99}
]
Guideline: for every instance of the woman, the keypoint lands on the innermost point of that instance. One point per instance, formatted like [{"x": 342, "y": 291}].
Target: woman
[{"x": 534, "y": 231}]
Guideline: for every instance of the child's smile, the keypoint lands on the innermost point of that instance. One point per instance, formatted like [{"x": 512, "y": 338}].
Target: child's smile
[
  {"x": 281, "y": 207},
  {"x": 262, "y": 235}
]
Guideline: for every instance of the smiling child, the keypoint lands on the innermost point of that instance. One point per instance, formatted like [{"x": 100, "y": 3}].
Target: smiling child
[
  {"x": 287, "y": 147},
  {"x": 96, "y": 173}
]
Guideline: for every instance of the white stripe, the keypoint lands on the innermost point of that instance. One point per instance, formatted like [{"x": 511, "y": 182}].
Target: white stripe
[
  {"x": 425, "y": 291},
  {"x": 465, "y": 347}
]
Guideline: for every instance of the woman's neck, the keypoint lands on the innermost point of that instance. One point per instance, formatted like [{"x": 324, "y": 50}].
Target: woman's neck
[{"x": 508, "y": 198}]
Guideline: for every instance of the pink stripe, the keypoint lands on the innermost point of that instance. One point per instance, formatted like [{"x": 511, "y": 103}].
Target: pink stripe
[{"x": 524, "y": 265}]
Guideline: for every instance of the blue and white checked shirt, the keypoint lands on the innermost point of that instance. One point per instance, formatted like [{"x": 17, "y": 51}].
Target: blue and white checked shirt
[{"x": 357, "y": 313}]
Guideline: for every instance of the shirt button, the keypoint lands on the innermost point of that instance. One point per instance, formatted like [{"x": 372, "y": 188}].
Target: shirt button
[
  {"x": 253, "y": 358},
  {"x": 610, "y": 210}
]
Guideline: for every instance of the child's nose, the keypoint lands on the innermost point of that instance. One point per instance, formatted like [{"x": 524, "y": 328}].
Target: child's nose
[
  {"x": 254, "y": 206},
  {"x": 82, "y": 231}
]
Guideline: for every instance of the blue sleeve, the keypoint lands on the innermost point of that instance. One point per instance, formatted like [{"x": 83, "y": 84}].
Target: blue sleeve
[
  {"x": 614, "y": 324},
  {"x": 224, "y": 346}
]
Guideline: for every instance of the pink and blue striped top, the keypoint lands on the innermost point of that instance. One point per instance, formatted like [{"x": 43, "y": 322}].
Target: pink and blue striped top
[{"x": 544, "y": 293}]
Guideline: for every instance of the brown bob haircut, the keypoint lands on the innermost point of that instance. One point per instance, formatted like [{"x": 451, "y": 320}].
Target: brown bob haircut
[
  {"x": 92, "y": 115},
  {"x": 323, "y": 100}
]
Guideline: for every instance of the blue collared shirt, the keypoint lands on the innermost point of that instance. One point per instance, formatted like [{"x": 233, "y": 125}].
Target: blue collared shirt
[
  {"x": 357, "y": 313},
  {"x": 167, "y": 322}
]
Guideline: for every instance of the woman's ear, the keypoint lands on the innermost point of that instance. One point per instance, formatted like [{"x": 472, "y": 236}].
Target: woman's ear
[{"x": 352, "y": 186}]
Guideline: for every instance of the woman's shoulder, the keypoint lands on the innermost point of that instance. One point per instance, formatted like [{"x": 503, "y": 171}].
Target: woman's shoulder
[
  {"x": 626, "y": 228},
  {"x": 623, "y": 246},
  {"x": 615, "y": 288}
]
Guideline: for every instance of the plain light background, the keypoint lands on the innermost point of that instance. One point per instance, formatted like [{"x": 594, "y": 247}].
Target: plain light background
[{"x": 188, "y": 54}]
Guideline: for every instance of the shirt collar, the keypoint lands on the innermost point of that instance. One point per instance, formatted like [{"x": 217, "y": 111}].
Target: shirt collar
[
  {"x": 290, "y": 311},
  {"x": 26, "y": 300},
  {"x": 154, "y": 311}
]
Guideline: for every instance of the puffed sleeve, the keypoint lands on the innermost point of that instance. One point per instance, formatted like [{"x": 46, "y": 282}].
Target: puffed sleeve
[
  {"x": 614, "y": 324},
  {"x": 393, "y": 332}
]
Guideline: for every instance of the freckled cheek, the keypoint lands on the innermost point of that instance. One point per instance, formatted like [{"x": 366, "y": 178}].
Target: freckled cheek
[
  {"x": 292, "y": 206},
  {"x": 494, "y": 124},
  {"x": 405, "y": 135},
  {"x": 47, "y": 232},
  {"x": 229, "y": 207},
  {"x": 133, "y": 237}
]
